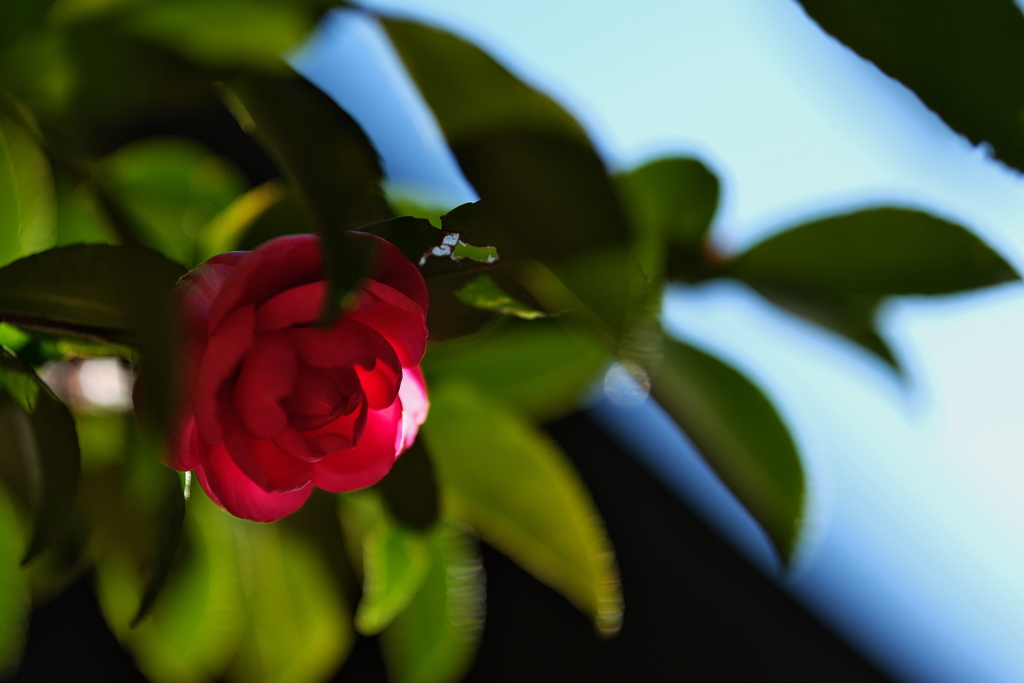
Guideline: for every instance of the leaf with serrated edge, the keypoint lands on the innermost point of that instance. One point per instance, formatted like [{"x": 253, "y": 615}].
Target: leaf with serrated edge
[{"x": 554, "y": 532}]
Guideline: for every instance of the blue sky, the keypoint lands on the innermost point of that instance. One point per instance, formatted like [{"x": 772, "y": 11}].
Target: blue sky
[{"x": 915, "y": 547}]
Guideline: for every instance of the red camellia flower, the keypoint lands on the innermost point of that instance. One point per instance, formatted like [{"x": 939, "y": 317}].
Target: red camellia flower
[{"x": 274, "y": 404}]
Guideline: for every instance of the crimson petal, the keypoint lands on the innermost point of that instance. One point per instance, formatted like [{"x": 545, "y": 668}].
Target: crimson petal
[
  {"x": 369, "y": 460},
  {"x": 398, "y": 318},
  {"x": 223, "y": 353},
  {"x": 267, "y": 376},
  {"x": 229, "y": 488}
]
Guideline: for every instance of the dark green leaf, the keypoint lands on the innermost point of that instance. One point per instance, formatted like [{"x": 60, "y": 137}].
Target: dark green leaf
[
  {"x": 540, "y": 368},
  {"x": 223, "y": 33},
  {"x": 671, "y": 203},
  {"x": 21, "y": 16},
  {"x": 328, "y": 162},
  {"x": 525, "y": 156},
  {"x": 554, "y": 532},
  {"x": 874, "y": 253},
  {"x": 48, "y": 446},
  {"x": 434, "y": 639},
  {"x": 113, "y": 293},
  {"x": 170, "y": 518},
  {"x": 739, "y": 433},
  {"x": 963, "y": 59},
  {"x": 410, "y": 489},
  {"x": 836, "y": 271},
  {"x": 227, "y": 229}
]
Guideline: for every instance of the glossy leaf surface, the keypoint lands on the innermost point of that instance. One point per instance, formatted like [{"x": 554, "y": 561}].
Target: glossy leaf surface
[
  {"x": 740, "y": 434},
  {"x": 26, "y": 193},
  {"x": 555, "y": 531},
  {"x": 962, "y": 58},
  {"x": 395, "y": 565}
]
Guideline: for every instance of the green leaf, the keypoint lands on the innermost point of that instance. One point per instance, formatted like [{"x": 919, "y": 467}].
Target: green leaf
[
  {"x": 410, "y": 488},
  {"x": 434, "y": 639},
  {"x": 15, "y": 602},
  {"x": 484, "y": 293},
  {"x": 20, "y": 16},
  {"x": 194, "y": 631},
  {"x": 529, "y": 161},
  {"x": 225, "y": 231},
  {"x": 836, "y": 271},
  {"x": 395, "y": 565},
  {"x": 740, "y": 435},
  {"x": 171, "y": 188},
  {"x": 26, "y": 193},
  {"x": 963, "y": 59},
  {"x": 169, "y": 521},
  {"x": 298, "y": 626},
  {"x": 223, "y": 33},
  {"x": 48, "y": 445},
  {"x": 542, "y": 369},
  {"x": 328, "y": 162},
  {"x": 523, "y": 498},
  {"x": 112, "y": 293},
  {"x": 671, "y": 203}
]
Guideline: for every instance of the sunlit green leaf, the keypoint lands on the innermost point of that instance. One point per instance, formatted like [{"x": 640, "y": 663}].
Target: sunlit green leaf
[
  {"x": 194, "y": 630},
  {"x": 837, "y": 270},
  {"x": 555, "y": 531},
  {"x": 963, "y": 59},
  {"x": 540, "y": 368},
  {"x": 484, "y": 293},
  {"x": 671, "y": 203},
  {"x": 298, "y": 626},
  {"x": 223, "y": 33},
  {"x": 15, "y": 603},
  {"x": 329, "y": 164},
  {"x": 225, "y": 231},
  {"x": 410, "y": 489},
  {"x": 171, "y": 188},
  {"x": 525, "y": 156},
  {"x": 47, "y": 445},
  {"x": 435, "y": 638},
  {"x": 740, "y": 434},
  {"x": 26, "y": 193},
  {"x": 395, "y": 565}
]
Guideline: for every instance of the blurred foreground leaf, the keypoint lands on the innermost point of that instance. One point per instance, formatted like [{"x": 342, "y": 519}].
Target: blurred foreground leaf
[
  {"x": 15, "y": 602},
  {"x": 540, "y": 368},
  {"x": 529, "y": 161},
  {"x": 171, "y": 188},
  {"x": 523, "y": 498},
  {"x": 328, "y": 163},
  {"x": 739, "y": 433},
  {"x": 47, "y": 445},
  {"x": 26, "y": 193},
  {"x": 837, "y": 270},
  {"x": 193, "y": 632},
  {"x": 435, "y": 638},
  {"x": 671, "y": 203},
  {"x": 410, "y": 489},
  {"x": 962, "y": 58},
  {"x": 170, "y": 518}
]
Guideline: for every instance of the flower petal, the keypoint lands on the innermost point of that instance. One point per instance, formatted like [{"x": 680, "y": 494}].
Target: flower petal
[
  {"x": 229, "y": 488},
  {"x": 267, "y": 376},
  {"x": 223, "y": 353},
  {"x": 344, "y": 344},
  {"x": 369, "y": 460},
  {"x": 397, "y": 317},
  {"x": 261, "y": 461},
  {"x": 271, "y": 268},
  {"x": 296, "y": 306},
  {"x": 394, "y": 270},
  {"x": 415, "y": 405},
  {"x": 195, "y": 291},
  {"x": 186, "y": 451}
]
